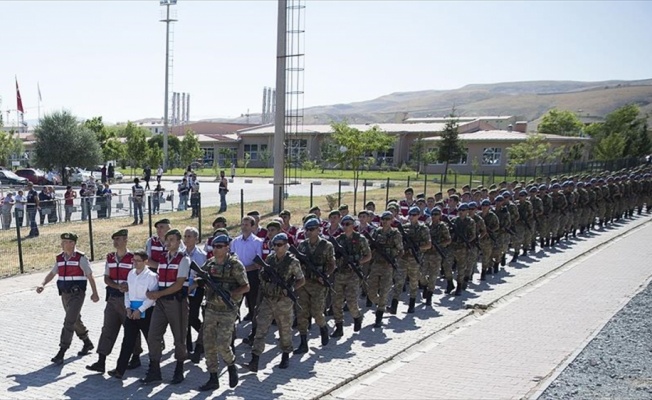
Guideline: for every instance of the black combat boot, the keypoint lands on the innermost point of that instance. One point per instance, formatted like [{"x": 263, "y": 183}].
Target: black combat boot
[
  {"x": 233, "y": 376},
  {"x": 496, "y": 268},
  {"x": 250, "y": 339},
  {"x": 98, "y": 366},
  {"x": 253, "y": 364},
  {"x": 178, "y": 373},
  {"x": 458, "y": 291},
  {"x": 379, "y": 319},
  {"x": 533, "y": 245},
  {"x": 411, "y": 306},
  {"x": 303, "y": 347},
  {"x": 483, "y": 275},
  {"x": 449, "y": 286},
  {"x": 134, "y": 362},
  {"x": 542, "y": 243},
  {"x": 88, "y": 346},
  {"x": 503, "y": 260},
  {"x": 324, "y": 335},
  {"x": 524, "y": 252},
  {"x": 338, "y": 330},
  {"x": 58, "y": 359},
  {"x": 515, "y": 258},
  {"x": 393, "y": 307},
  {"x": 369, "y": 303},
  {"x": 285, "y": 360},
  {"x": 212, "y": 384},
  {"x": 357, "y": 324},
  {"x": 153, "y": 373},
  {"x": 195, "y": 357}
]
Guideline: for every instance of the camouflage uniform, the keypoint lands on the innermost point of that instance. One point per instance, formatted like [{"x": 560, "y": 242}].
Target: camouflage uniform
[
  {"x": 592, "y": 208},
  {"x": 474, "y": 251},
  {"x": 537, "y": 217},
  {"x": 582, "y": 208},
  {"x": 219, "y": 320},
  {"x": 312, "y": 295},
  {"x": 347, "y": 282},
  {"x": 569, "y": 216},
  {"x": 490, "y": 245},
  {"x": 505, "y": 219},
  {"x": 408, "y": 266},
  {"x": 513, "y": 212},
  {"x": 274, "y": 305},
  {"x": 558, "y": 208},
  {"x": 439, "y": 233},
  {"x": 381, "y": 273},
  {"x": 545, "y": 221},
  {"x": 464, "y": 228},
  {"x": 523, "y": 225}
]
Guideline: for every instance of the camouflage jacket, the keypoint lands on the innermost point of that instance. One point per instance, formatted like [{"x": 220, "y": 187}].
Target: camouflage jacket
[
  {"x": 439, "y": 234},
  {"x": 558, "y": 202},
  {"x": 389, "y": 241},
  {"x": 356, "y": 246},
  {"x": 546, "y": 199},
  {"x": 321, "y": 255},
  {"x": 288, "y": 268},
  {"x": 464, "y": 228},
  {"x": 229, "y": 275}
]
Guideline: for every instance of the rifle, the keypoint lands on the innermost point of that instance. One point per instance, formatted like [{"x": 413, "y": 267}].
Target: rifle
[
  {"x": 303, "y": 258},
  {"x": 414, "y": 249},
  {"x": 527, "y": 224},
  {"x": 491, "y": 236},
  {"x": 215, "y": 287},
  {"x": 340, "y": 252},
  {"x": 380, "y": 250},
  {"x": 458, "y": 234},
  {"x": 276, "y": 278}
]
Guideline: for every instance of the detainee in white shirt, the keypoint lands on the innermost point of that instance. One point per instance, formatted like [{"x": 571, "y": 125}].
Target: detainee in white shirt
[{"x": 139, "y": 309}]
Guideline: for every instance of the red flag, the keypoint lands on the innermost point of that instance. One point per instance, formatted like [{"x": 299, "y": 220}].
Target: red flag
[{"x": 19, "y": 101}]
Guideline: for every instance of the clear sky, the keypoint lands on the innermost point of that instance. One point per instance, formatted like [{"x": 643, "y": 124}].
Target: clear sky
[{"x": 107, "y": 57}]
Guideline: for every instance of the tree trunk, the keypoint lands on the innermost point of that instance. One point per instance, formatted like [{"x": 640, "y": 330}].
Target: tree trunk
[
  {"x": 445, "y": 171},
  {"x": 64, "y": 178}
]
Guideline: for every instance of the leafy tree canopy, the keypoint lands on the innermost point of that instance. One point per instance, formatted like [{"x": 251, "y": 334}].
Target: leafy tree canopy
[{"x": 561, "y": 122}]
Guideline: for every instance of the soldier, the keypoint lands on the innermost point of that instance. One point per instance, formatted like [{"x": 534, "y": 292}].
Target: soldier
[
  {"x": 523, "y": 227},
  {"x": 171, "y": 309},
  {"x": 481, "y": 237},
  {"x": 312, "y": 295},
  {"x": 219, "y": 321},
  {"x": 558, "y": 208},
  {"x": 513, "y": 213},
  {"x": 388, "y": 240},
  {"x": 347, "y": 282},
  {"x": 155, "y": 245},
  {"x": 537, "y": 216},
  {"x": 464, "y": 234},
  {"x": 74, "y": 272},
  {"x": 275, "y": 303},
  {"x": 505, "y": 219},
  {"x": 490, "y": 244},
  {"x": 118, "y": 265},
  {"x": 439, "y": 236},
  {"x": 544, "y": 220},
  {"x": 583, "y": 207}
]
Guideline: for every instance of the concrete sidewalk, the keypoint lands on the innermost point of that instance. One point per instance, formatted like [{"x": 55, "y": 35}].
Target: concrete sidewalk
[
  {"x": 31, "y": 325},
  {"x": 512, "y": 351}
]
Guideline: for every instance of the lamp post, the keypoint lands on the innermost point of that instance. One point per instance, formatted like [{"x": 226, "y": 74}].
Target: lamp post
[{"x": 166, "y": 125}]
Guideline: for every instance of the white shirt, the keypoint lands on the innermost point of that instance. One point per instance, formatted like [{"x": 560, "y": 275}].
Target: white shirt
[
  {"x": 139, "y": 284},
  {"x": 159, "y": 171},
  {"x": 247, "y": 249},
  {"x": 20, "y": 201}
]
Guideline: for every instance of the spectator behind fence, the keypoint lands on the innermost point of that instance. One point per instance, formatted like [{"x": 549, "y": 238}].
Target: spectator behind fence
[
  {"x": 108, "y": 196},
  {"x": 46, "y": 198},
  {"x": 111, "y": 173},
  {"x": 86, "y": 201},
  {"x": 157, "y": 196},
  {"x": 7, "y": 208},
  {"x": 183, "y": 190},
  {"x": 137, "y": 194},
  {"x": 194, "y": 198},
  {"x": 20, "y": 207},
  {"x": 32, "y": 207},
  {"x": 223, "y": 190},
  {"x": 69, "y": 198},
  {"x": 159, "y": 174}
]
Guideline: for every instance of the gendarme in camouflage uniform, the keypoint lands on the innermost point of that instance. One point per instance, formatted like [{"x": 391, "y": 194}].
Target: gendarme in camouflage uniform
[{"x": 464, "y": 233}]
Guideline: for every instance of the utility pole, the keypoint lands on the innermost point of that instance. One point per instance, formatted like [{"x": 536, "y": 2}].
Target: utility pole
[
  {"x": 166, "y": 125},
  {"x": 279, "y": 119}
]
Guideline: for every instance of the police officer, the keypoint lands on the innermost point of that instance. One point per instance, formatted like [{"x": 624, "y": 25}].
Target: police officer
[
  {"x": 219, "y": 321},
  {"x": 155, "y": 245},
  {"x": 274, "y": 303},
  {"x": 312, "y": 295},
  {"x": 347, "y": 283},
  {"x": 388, "y": 240},
  {"x": 117, "y": 267},
  {"x": 171, "y": 309},
  {"x": 74, "y": 273}
]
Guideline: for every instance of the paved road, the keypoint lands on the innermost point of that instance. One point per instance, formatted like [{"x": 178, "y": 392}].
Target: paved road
[{"x": 29, "y": 374}]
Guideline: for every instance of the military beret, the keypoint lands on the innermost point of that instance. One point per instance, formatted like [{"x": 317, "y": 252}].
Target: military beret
[
  {"x": 311, "y": 223},
  {"x": 220, "y": 239},
  {"x": 522, "y": 193},
  {"x": 274, "y": 224},
  {"x": 503, "y": 183},
  {"x": 253, "y": 213},
  {"x": 492, "y": 187},
  {"x": 499, "y": 198},
  {"x": 506, "y": 194},
  {"x": 120, "y": 233},
  {"x": 219, "y": 219},
  {"x": 284, "y": 212},
  {"x": 555, "y": 186},
  {"x": 580, "y": 184},
  {"x": 533, "y": 189},
  {"x": 485, "y": 203},
  {"x": 493, "y": 191},
  {"x": 435, "y": 211},
  {"x": 421, "y": 196},
  {"x": 421, "y": 200},
  {"x": 281, "y": 237},
  {"x": 409, "y": 190},
  {"x": 463, "y": 207},
  {"x": 473, "y": 205},
  {"x": 220, "y": 231},
  {"x": 343, "y": 207},
  {"x": 414, "y": 211},
  {"x": 69, "y": 236},
  {"x": 454, "y": 197},
  {"x": 467, "y": 187},
  {"x": 334, "y": 212},
  {"x": 543, "y": 187},
  {"x": 370, "y": 203},
  {"x": 386, "y": 215},
  {"x": 162, "y": 221},
  {"x": 174, "y": 232},
  {"x": 451, "y": 190},
  {"x": 347, "y": 218},
  {"x": 439, "y": 194},
  {"x": 315, "y": 208},
  {"x": 364, "y": 212}
]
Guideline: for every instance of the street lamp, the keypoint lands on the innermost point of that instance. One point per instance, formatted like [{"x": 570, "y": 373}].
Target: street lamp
[{"x": 167, "y": 20}]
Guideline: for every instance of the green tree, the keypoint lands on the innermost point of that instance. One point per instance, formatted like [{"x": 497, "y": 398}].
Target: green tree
[
  {"x": 10, "y": 145},
  {"x": 114, "y": 149},
  {"x": 632, "y": 129},
  {"x": 246, "y": 161},
  {"x": 561, "y": 122},
  {"x": 355, "y": 145},
  {"x": 190, "y": 150},
  {"x": 136, "y": 146},
  {"x": 536, "y": 149},
  {"x": 573, "y": 153},
  {"x": 610, "y": 147},
  {"x": 154, "y": 157},
  {"x": 174, "y": 147},
  {"x": 265, "y": 156},
  {"x": 450, "y": 148},
  {"x": 62, "y": 142}
]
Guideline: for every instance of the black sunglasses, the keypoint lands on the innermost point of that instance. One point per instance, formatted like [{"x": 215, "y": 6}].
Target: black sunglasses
[
  {"x": 220, "y": 246},
  {"x": 279, "y": 244},
  {"x": 311, "y": 229},
  {"x": 347, "y": 224}
]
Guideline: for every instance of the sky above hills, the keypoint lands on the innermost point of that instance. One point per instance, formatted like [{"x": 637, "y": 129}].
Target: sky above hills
[{"x": 107, "y": 57}]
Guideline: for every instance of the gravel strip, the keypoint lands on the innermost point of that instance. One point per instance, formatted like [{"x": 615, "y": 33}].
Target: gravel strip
[{"x": 616, "y": 363}]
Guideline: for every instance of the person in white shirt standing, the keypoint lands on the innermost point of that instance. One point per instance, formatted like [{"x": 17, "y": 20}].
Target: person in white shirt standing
[
  {"x": 20, "y": 207},
  {"x": 138, "y": 308},
  {"x": 159, "y": 174},
  {"x": 195, "y": 292}
]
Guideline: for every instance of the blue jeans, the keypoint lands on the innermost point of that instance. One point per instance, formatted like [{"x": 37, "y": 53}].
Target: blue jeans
[
  {"x": 222, "y": 201},
  {"x": 33, "y": 227},
  {"x": 183, "y": 202},
  {"x": 138, "y": 210}
]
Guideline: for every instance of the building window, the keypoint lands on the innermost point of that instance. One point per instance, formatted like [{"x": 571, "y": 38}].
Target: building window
[
  {"x": 491, "y": 156},
  {"x": 463, "y": 160},
  {"x": 386, "y": 156},
  {"x": 252, "y": 150},
  {"x": 296, "y": 151},
  {"x": 209, "y": 155}
]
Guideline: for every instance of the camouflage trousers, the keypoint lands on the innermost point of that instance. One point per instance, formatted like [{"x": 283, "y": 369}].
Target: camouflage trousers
[
  {"x": 472, "y": 261},
  {"x": 406, "y": 268},
  {"x": 347, "y": 285},
  {"x": 380, "y": 283},
  {"x": 563, "y": 221},
  {"x": 490, "y": 253},
  {"x": 279, "y": 309},
  {"x": 312, "y": 300},
  {"x": 447, "y": 263},
  {"x": 218, "y": 329},
  {"x": 602, "y": 211},
  {"x": 554, "y": 221},
  {"x": 461, "y": 254},
  {"x": 519, "y": 239},
  {"x": 543, "y": 226},
  {"x": 578, "y": 217},
  {"x": 430, "y": 271},
  {"x": 504, "y": 238}
]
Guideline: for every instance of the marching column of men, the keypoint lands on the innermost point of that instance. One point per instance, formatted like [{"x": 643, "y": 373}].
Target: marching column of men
[{"x": 409, "y": 245}]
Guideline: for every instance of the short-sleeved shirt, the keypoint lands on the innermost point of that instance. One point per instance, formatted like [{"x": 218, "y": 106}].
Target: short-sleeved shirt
[
  {"x": 247, "y": 249},
  {"x": 184, "y": 264},
  {"x": 83, "y": 264}
]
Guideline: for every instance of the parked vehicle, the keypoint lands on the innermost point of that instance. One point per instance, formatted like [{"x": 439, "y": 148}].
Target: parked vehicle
[
  {"x": 97, "y": 174},
  {"x": 35, "y": 176},
  {"x": 9, "y": 178}
]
